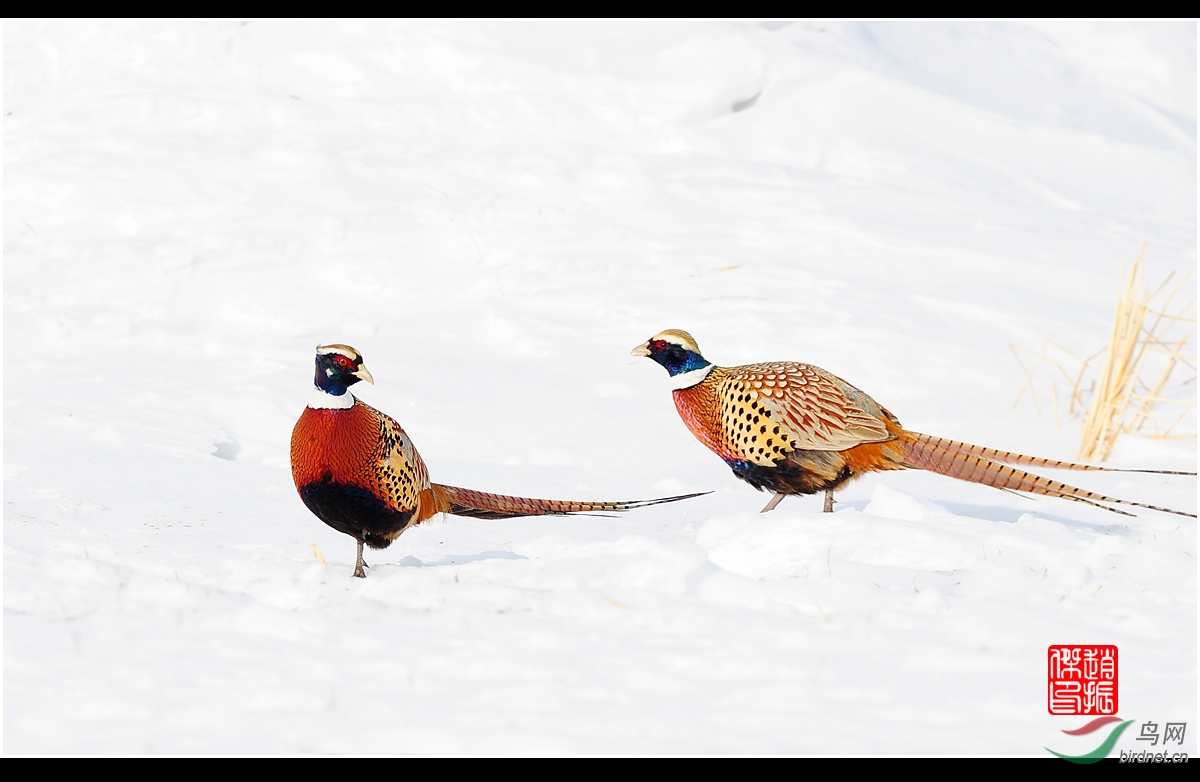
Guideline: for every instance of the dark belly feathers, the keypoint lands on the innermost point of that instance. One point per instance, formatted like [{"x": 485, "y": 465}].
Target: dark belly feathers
[
  {"x": 803, "y": 472},
  {"x": 354, "y": 511}
]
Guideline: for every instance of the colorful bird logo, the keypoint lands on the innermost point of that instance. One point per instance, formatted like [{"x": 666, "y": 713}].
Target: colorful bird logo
[{"x": 1105, "y": 747}]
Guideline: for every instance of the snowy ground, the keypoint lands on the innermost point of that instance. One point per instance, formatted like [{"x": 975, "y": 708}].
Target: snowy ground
[{"x": 494, "y": 214}]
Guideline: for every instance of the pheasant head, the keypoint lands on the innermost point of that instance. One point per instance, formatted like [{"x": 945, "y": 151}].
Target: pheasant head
[
  {"x": 338, "y": 368},
  {"x": 677, "y": 352}
]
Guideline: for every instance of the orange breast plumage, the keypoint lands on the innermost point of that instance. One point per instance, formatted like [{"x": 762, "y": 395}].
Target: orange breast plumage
[
  {"x": 357, "y": 470},
  {"x": 700, "y": 408}
]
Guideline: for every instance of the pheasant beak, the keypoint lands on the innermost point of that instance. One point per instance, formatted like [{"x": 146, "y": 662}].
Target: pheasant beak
[
  {"x": 641, "y": 350},
  {"x": 363, "y": 374}
]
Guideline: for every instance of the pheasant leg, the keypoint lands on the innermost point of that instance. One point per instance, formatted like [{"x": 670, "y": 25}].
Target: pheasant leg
[
  {"x": 828, "y": 501},
  {"x": 359, "y": 565},
  {"x": 778, "y": 498}
]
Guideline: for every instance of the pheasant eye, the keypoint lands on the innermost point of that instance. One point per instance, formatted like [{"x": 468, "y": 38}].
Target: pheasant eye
[{"x": 342, "y": 362}]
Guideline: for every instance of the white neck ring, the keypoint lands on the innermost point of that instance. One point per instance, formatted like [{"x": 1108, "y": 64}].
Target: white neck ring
[
  {"x": 688, "y": 379},
  {"x": 322, "y": 400}
]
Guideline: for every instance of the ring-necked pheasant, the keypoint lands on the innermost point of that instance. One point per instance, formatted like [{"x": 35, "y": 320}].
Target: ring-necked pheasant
[
  {"x": 357, "y": 469},
  {"x": 794, "y": 428}
]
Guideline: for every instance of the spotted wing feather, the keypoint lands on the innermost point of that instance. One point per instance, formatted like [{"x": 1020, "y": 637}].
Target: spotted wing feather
[
  {"x": 769, "y": 410},
  {"x": 400, "y": 473}
]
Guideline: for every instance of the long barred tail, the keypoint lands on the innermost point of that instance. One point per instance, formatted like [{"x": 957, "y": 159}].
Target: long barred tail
[
  {"x": 482, "y": 505},
  {"x": 989, "y": 467},
  {"x": 1008, "y": 457}
]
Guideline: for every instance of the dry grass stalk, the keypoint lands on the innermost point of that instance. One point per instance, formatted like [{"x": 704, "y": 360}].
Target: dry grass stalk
[
  {"x": 1121, "y": 401},
  {"x": 1076, "y": 397}
]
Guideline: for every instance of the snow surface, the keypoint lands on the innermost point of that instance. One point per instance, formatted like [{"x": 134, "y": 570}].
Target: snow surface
[{"x": 494, "y": 214}]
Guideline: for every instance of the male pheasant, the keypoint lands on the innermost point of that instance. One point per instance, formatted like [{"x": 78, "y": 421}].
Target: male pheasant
[
  {"x": 357, "y": 469},
  {"x": 794, "y": 428}
]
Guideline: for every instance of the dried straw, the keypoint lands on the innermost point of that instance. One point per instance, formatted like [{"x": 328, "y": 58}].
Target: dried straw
[{"x": 1121, "y": 400}]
